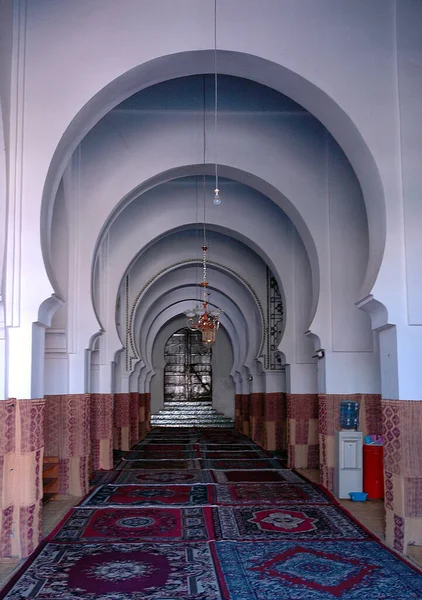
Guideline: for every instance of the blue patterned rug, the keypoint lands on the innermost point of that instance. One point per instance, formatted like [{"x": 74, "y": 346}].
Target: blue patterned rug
[{"x": 315, "y": 571}]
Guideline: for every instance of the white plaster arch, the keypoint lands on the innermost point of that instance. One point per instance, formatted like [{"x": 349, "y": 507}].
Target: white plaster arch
[
  {"x": 245, "y": 221},
  {"x": 221, "y": 278},
  {"x": 232, "y": 320},
  {"x": 235, "y": 301},
  {"x": 291, "y": 83},
  {"x": 225, "y": 270},
  {"x": 176, "y": 310}
]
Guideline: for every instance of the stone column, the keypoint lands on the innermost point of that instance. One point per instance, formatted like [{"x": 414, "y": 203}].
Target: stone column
[
  {"x": 68, "y": 436},
  {"x": 21, "y": 466},
  {"x": 256, "y": 411},
  {"x": 134, "y": 417},
  {"x": 101, "y": 431},
  {"x": 274, "y": 420},
  {"x": 142, "y": 416},
  {"x": 245, "y": 413},
  {"x": 121, "y": 431},
  {"x": 402, "y": 433},
  {"x": 302, "y": 431},
  {"x": 238, "y": 412}
]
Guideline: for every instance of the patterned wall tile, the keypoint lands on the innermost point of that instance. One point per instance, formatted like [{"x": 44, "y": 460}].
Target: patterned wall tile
[
  {"x": 31, "y": 424},
  {"x": 7, "y": 425},
  {"x": 122, "y": 410}
]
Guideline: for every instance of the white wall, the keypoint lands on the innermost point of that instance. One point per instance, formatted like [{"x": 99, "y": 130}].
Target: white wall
[
  {"x": 350, "y": 66},
  {"x": 293, "y": 142}
]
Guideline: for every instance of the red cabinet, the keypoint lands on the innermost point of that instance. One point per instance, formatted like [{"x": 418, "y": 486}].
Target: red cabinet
[{"x": 373, "y": 471}]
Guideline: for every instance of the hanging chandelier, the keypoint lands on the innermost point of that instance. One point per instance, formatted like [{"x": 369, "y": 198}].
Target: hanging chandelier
[{"x": 207, "y": 320}]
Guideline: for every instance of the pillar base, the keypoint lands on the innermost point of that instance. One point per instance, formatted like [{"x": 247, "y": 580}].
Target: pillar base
[
  {"x": 402, "y": 433},
  {"x": 275, "y": 421},
  {"x": 21, "y": 467},
  {"x": 302, "y": 431},
  {"x": 101, "y": 431},
  {"x": 67, "y": 435}
]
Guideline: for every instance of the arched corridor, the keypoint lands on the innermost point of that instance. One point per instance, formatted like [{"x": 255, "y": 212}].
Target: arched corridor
[{"x": 118, "y": 122}]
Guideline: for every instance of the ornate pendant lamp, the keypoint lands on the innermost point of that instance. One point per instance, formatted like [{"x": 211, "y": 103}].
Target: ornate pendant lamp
[{"x": 205, "y": 320}]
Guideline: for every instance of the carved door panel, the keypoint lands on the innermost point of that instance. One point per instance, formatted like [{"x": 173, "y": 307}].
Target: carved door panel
[{"x": 188, "y": 371}]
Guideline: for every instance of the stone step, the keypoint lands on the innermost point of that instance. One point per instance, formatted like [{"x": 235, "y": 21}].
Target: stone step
[{"x": 190, "y": 414}]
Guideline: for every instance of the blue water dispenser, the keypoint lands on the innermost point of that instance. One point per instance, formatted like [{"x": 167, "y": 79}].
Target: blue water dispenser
[{"x": 349, "y": 415}]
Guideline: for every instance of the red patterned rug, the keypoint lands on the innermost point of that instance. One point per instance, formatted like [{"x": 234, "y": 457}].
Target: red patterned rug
[
  {"x": 147, "y": 495},
  {"x": 120, "y": 571},
  {"x": 165, "y": 464},
  {"x": 274, "y": 493},
  {"x": 159, "y": 448},
  {"x": 298, "y": 522},
  {"x": 236, "y": 454},
  {"x": 258, "y": 476},
  {"x": 242, "y": 464},
  {"x": 163, "y": 477},
  {"x": 135, "y": 524},
  {"x": 151, "y": 455},
  {"x": 149, "y": 533},
  {"x": 235, "y": 447}
]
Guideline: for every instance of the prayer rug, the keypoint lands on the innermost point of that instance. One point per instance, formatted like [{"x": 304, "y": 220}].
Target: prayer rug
[
  {"x": 134, "y": 524},
  {"x": 316, "y": 571},
  {"x": 168, "y": 442},
  {"x": 274, "y": 493},
  {"x": 157, "y": 448},
  {"x": 159, "y": 464},
  {"x": 119, "y": 572},
  {"x": 228, "y": 447},
  {"x": 152, "y": 477},
  {"x": 240, "y": 464},
  {"x": 100, "y": 477},
  {"x": 280, "y": 476},
  {"x": 171, "y": 454},
  {"x": 297, "y": 522},
  {"x": 244, "y": 454},
  {"x": 145, "y": 495}
]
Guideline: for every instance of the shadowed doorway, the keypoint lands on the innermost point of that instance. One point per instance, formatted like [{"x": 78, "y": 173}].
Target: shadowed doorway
[{"x": 188, "y": 371}]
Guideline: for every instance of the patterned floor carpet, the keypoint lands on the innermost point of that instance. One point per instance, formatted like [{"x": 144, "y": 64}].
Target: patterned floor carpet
[{"x": 208, "y": 515}]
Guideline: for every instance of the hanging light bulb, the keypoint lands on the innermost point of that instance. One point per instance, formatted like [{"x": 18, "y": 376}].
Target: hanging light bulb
[{"x": 217, "y": 199}]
